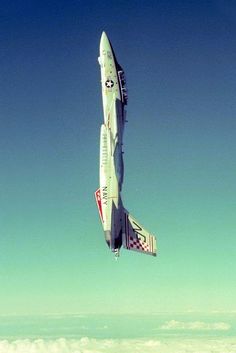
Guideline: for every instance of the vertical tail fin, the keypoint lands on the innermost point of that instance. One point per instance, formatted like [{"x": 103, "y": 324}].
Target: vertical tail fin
[{"x": 136, "y": 238}]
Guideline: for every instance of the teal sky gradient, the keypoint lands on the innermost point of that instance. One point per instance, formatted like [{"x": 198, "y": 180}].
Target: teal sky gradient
[{"x": 180, "y": 147}]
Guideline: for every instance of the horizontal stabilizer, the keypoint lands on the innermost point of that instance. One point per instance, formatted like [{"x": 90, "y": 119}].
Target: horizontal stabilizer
[{"x": 136, "y": 238}]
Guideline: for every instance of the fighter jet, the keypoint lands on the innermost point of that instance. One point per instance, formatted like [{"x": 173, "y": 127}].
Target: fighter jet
[{"x": 120, "y": 228}]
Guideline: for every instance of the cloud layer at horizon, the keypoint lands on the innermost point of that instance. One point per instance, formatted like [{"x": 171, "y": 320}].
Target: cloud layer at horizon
[
  {"x": 195, "y": 325},
  {"x": 90, "y": 345}
]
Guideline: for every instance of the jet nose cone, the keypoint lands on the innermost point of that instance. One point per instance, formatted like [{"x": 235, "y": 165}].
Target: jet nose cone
[
  {"x": 104, "y": 42},
  {"x": 104, "y": 36}
]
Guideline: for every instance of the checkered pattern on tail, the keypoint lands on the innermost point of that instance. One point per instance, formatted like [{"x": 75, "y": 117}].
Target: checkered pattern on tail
[{"x": 138, "y": 244}]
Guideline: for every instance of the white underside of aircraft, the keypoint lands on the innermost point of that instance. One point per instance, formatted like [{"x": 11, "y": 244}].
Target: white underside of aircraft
[{"x": 120, "y": 228}]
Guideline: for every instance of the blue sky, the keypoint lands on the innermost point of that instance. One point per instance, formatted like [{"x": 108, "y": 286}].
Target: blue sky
[{"x": 179, "y": 59}]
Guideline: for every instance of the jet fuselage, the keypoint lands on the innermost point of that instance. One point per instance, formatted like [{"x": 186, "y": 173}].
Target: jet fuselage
[{"x": 114, "y": 98}]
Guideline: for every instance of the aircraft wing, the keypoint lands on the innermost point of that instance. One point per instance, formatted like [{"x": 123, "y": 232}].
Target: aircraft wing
[{"x": 136, "y": 238}]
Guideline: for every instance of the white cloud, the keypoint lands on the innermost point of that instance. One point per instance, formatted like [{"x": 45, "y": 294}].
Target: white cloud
[
  {"x": 89, "y": 345},
  {"x": 195, "y": 325}
]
